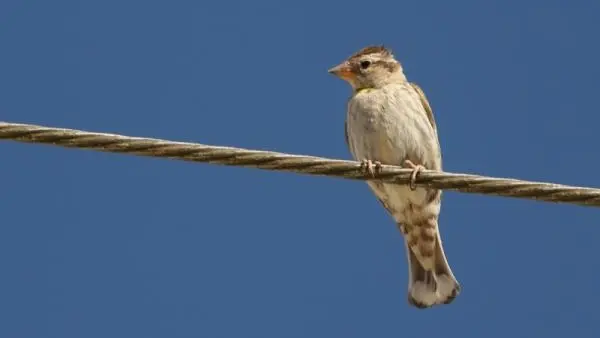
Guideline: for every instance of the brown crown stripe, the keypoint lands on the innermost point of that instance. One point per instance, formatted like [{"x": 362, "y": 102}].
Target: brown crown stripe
[{"x": 371, "y": 50}]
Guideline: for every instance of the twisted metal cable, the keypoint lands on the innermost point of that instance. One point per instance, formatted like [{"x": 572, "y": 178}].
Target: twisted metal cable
[{"x": 295, "y": 163}]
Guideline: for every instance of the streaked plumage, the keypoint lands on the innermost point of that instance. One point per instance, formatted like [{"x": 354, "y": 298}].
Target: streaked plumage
[{"x": 389, "y": 120}]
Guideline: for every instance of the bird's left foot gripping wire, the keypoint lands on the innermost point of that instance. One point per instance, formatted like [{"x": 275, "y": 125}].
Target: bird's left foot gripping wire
[
  {"x": 413, "y": 176},
  {"x": 370, "y": 167}
]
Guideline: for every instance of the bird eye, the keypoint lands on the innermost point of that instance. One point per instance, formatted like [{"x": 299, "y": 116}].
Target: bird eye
[{"x": 365, "y": 64}]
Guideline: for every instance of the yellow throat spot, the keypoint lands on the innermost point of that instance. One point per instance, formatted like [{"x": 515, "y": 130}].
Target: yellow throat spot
[{"x": 363, "y": 90}]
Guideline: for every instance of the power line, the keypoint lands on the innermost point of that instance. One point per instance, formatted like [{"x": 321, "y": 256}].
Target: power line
[{"x": 311, "y": 165}]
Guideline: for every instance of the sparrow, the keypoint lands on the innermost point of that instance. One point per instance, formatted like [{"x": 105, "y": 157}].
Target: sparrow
[{"x": 390, "y": 121}]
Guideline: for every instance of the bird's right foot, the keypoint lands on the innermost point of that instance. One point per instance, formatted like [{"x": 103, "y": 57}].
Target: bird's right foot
[{"x": 413, "y": 176}]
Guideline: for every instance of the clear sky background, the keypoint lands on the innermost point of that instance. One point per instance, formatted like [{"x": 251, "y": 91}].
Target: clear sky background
[{"x": 106, "y": 245}]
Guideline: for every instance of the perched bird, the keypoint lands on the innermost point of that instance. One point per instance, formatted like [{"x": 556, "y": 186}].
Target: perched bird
[{"x": 390, "y": 121}]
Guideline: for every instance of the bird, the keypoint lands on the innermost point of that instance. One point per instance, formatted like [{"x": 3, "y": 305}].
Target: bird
[{"x": 390, "y": 121}]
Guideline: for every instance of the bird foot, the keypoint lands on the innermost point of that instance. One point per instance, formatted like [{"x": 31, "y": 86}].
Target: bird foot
[
  {"x": 413, "y": 176},
  {"x": 370, "y": 167}
]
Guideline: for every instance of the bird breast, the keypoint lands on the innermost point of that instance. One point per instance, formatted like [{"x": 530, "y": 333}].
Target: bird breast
[{"x": 390, "y": 125}]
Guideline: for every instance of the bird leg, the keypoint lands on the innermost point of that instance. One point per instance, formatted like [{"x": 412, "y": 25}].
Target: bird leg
[
  {"x": 413, "y": 176},
  {"x": 370, "y": 167}
]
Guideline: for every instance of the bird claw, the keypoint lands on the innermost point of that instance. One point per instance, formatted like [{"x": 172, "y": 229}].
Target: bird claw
[
  {"x": 413, "y": 176},
  {"x": 370, "y": 167}
]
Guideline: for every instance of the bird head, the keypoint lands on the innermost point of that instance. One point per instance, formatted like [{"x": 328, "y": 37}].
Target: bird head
[{"x": 370, "y": 67}]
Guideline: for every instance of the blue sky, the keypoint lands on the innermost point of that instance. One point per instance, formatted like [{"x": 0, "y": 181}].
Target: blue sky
[{"x": 105, "y": 245}]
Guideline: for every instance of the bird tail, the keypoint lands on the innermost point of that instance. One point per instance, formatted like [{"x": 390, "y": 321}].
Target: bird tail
[{"x": 434, "y": 285}]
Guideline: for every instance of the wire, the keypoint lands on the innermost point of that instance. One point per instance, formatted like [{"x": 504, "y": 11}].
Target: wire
[{"x": 311, "y": 165}]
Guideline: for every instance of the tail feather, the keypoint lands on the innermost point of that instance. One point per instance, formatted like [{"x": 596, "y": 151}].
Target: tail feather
[
  {"x": 422, "y": 285},
  {"x": 448, "y": 286},
  {"x": 427, "y": 288}
]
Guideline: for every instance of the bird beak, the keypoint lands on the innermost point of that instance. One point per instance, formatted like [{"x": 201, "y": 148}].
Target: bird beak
[{"x": 343, "y": 71}]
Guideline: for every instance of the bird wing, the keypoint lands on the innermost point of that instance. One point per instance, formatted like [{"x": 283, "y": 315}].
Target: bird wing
[
  {"x": 346, "y": 132},
  {"x": 429, "y": 112},
  {"x": 426, "y": 105}
]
